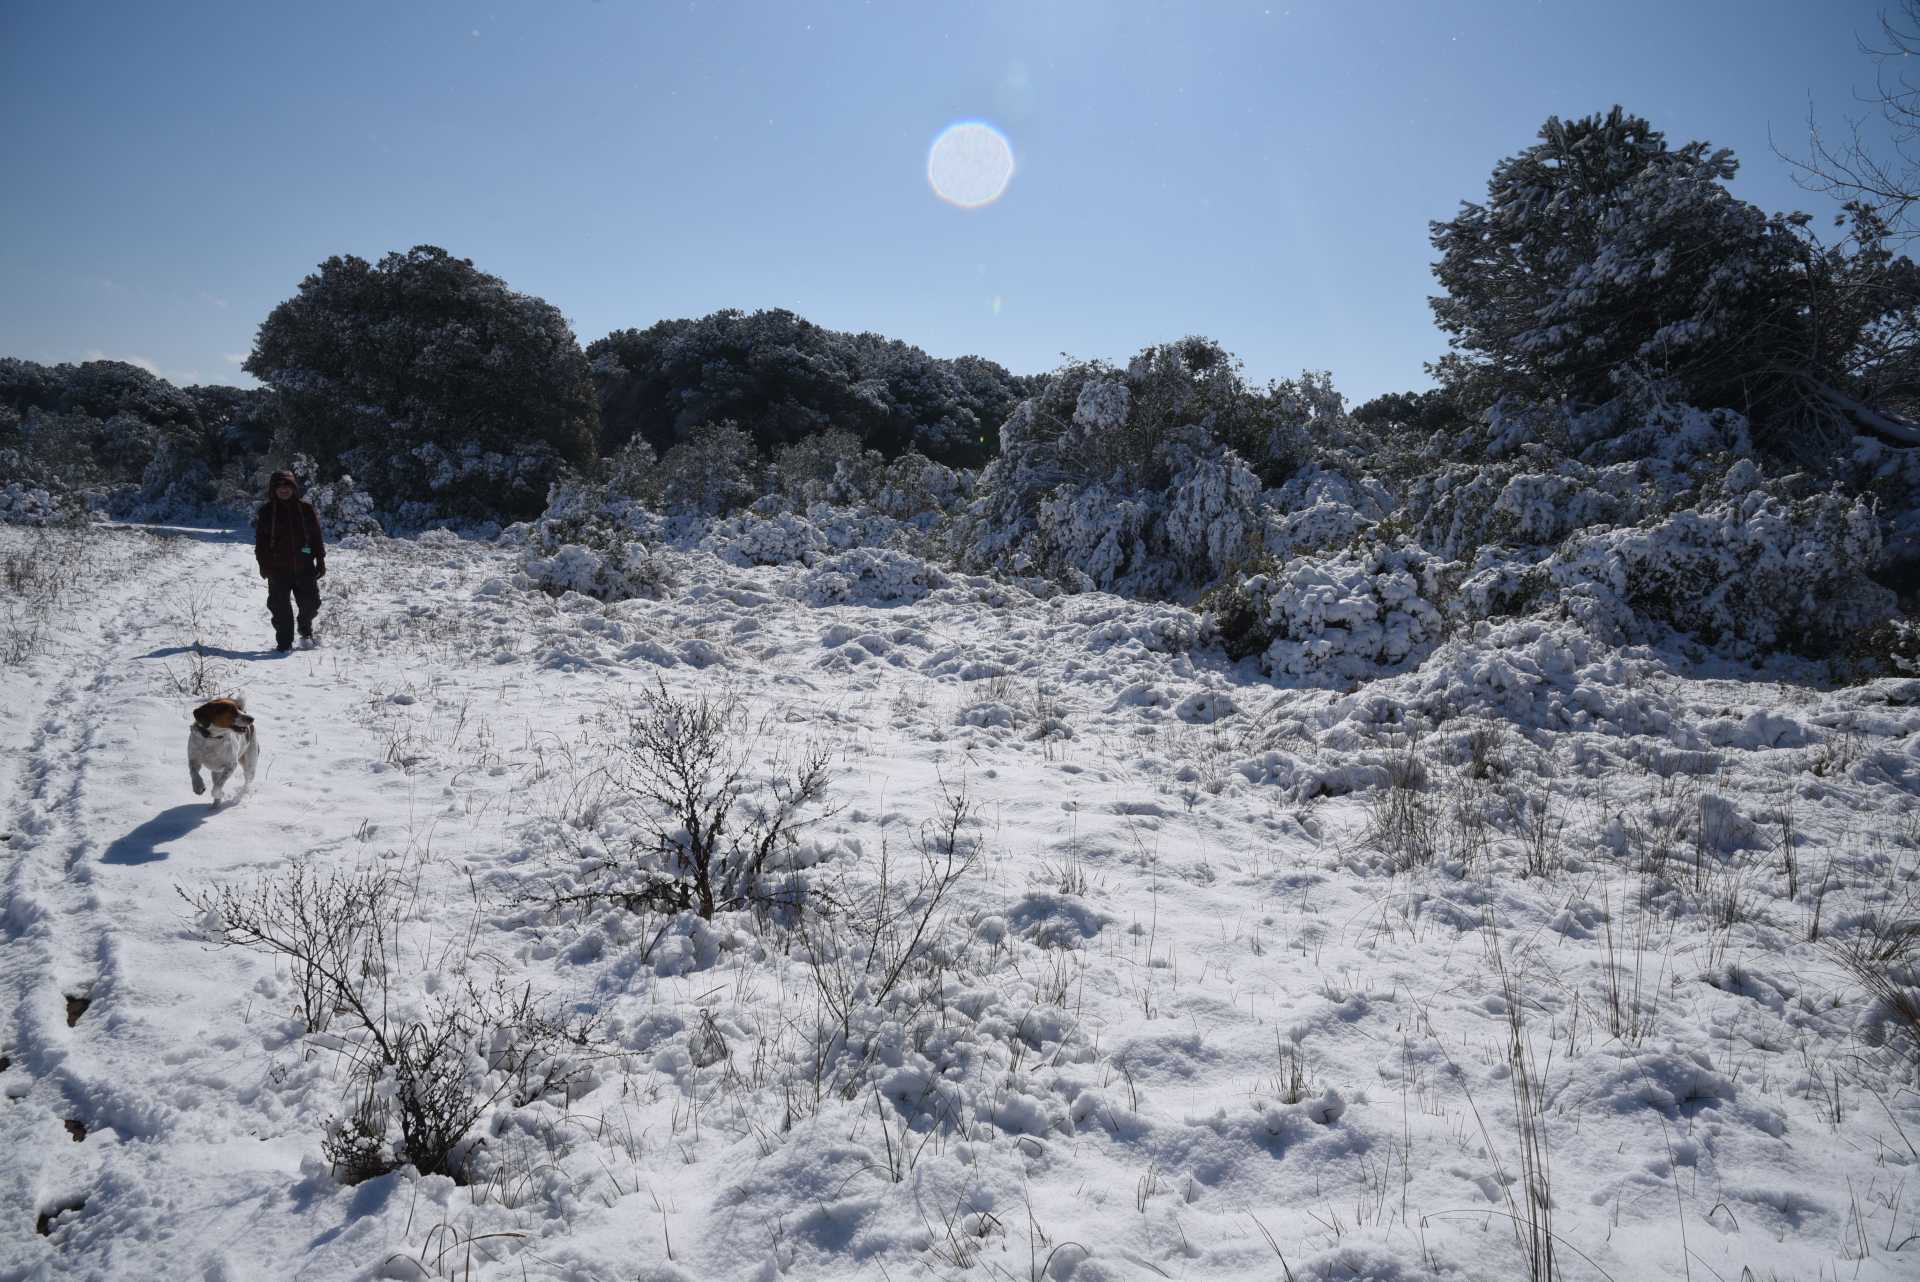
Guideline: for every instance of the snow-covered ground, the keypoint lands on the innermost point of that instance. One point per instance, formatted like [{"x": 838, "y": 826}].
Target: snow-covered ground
[{"x": 1244, "y": 981}]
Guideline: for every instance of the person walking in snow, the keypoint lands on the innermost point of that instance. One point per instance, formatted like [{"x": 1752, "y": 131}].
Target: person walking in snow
[{"x": 293, "y": 559}]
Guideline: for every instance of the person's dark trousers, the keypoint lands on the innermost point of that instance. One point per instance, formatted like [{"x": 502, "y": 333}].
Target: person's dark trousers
[{"x": 284, "y": 593}]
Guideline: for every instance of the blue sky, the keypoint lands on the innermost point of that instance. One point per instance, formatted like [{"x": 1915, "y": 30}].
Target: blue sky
[{"x": 1261, "y": 173}]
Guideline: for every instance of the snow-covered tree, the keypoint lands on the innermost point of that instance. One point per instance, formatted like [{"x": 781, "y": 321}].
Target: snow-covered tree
[
  {"x": 712, "y": 472},
  {"x": 1603, "y": 260},
  {"x": 785, "y": 378},
  {"x": 828, "y": 468},
  {"x": 1600, "y": 246},
  {"x": 418, "y": 372},
  {"x": 110, "y": 434}
]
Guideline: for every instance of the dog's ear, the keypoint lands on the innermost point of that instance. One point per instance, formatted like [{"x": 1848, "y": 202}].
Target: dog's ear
[{"x": 204, "y": 713}]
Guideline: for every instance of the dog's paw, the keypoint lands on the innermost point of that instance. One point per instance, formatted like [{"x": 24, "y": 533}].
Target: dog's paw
[{"x": 198, "y": 787}]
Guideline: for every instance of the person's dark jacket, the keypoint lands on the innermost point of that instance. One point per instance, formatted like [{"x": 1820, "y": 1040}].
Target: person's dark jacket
[{"x": 286, "y": 534}]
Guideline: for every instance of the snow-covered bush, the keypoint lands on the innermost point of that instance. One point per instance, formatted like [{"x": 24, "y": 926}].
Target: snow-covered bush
[
  {"x": 615, "y": 571},
  {"x": 1657, "y": 527},
  {"x": 1213, "y": 518},
  {"x": 712, "y": 472},
  {"x": 1530, "y": 476},
  {"x": 579, "y": 512},
  {"x": 1321, "y": 508},
  {"x": 1204, "y": 521},
  {"x": 1146, "y": 481},
  {"x": 1892, "y": 477},
  {"x": 424, "y": 483},
  {"x": 1889, "y": 648},
  {"x": 829, "y": 467},
  {"x": 175, "y": 482},
  {"x": 634, "y": 472},
  {"x": 30, "y": 505},
  {"x": 1459, "y": 509},
  {"x": 783, "y": 538},
  {"x": 870, "y": 576},
  {"x": 862, "y": 527},
  {"x": 594, "y": 544},
  {"x": 343, "y": 507},
  {"x": 1093, "y": 538},
  {"x": 1748, "y": 573},
  {"x": 914, "y": 486},
  {"x": 1336, "y": 618}
]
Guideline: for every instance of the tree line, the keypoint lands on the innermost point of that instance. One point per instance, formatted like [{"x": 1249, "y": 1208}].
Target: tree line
[{"x": 1604, "y": 267}]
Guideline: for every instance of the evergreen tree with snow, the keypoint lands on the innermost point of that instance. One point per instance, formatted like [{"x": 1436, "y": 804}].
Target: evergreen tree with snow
[
  {"x": 713, "y": 472},
  {"x": 436, "y": 385},
  {"x": 784, "y": 378},
  {"x": 1603, "y": 258}
]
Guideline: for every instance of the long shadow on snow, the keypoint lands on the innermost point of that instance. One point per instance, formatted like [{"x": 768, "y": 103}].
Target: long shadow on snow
[
  {"x": 143, "y": 844},
  {"x": 212, "y": 651},
  {"x": 197, "y": 533}
]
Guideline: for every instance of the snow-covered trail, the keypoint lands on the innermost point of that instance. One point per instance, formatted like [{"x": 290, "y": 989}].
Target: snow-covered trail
[{"x": 116, "y": 1014}]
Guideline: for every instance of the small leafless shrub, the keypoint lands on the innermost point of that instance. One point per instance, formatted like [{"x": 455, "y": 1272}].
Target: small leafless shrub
[
  {"x": 43, "y": 570},
  {"x": 200, "y": 676},
  {"x": 1468, "y": 812},
  {"x": 876, "y": 941},
  {"x": 22, "y": 635},
  {"x": 710, "y": 828},
  {"x": 325, "y": 926},
  {"x": 1047, "y": 718},
  {"x": 432, "y": 1067}
]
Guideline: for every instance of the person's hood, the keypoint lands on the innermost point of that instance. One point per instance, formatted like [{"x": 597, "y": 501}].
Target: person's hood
[{"x": 273, "y": 483}]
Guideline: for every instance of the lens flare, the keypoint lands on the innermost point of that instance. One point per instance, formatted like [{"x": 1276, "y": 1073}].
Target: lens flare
[{"x": 970, "y": 164}]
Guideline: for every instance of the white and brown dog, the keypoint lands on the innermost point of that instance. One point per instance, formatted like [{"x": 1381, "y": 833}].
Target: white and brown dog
[{"x": 221, "y": 740}]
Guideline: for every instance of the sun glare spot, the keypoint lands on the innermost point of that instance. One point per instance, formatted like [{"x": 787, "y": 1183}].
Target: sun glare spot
[{"x": 970, "y": 164}]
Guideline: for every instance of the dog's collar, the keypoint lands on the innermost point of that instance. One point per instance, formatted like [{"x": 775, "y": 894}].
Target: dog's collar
[{"x": 202, "y": 730}]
